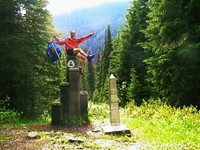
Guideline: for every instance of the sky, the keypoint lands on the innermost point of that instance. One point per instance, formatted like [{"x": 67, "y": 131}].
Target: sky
[{"x": 62, "y": 6}]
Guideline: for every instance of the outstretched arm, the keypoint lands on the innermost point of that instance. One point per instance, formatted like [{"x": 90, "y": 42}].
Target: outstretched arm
[{"x": 84, "y": 38}]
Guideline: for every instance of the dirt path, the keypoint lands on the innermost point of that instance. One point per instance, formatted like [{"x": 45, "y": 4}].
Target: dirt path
[{"x": 62, "y": 138}]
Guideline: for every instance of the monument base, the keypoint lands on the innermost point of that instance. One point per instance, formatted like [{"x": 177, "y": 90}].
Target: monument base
[{"x": 116, "y": 129}]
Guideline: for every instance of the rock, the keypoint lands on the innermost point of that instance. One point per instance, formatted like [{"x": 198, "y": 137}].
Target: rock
[
  {"x": 75, "y": 140},
  {"x": 33, "y": 135}
]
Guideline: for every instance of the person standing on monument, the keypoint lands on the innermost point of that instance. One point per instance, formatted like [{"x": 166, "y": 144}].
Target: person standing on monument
[{"x": 71, "y": 46}]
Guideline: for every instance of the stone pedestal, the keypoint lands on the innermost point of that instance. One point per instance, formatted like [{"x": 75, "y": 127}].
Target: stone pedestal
[{"x": 116, "y": 129}]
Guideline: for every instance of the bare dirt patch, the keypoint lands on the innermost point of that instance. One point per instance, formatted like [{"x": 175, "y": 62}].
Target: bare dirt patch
[{"x": 59, "y": 137}]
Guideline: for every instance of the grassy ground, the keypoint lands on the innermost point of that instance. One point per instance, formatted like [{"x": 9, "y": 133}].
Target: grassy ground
[
  {"x": 164, "y": 127},
  {"x": 154, "y": 126}
]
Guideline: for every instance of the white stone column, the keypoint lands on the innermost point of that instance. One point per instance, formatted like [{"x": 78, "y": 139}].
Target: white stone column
[
  {"x": 114, "y": 103},
  {"x": 115, "y": 126}
]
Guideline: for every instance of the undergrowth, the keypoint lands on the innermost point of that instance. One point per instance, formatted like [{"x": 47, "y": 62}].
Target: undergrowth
[
  {"x": 98, "y": 112},
  {"x": 12, "y": 119},
  {"x": 154, "y": 124},
  {"x": 163, "y": 126},
  {"x": 7, "y": 115}
]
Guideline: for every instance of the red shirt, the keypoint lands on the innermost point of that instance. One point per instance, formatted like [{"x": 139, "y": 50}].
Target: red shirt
[{"x": 73, "y": 43}]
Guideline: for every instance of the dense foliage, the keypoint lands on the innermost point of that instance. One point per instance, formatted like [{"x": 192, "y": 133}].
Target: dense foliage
[
  {"x": 89, "y": 77},
  {"x": 127, "y": 58},
  {"x": 158, "y": 52},
  {"x": 103, "y": 73},
  {"x": 26, "y": 76},
  {"x": 173, "y": 41}
]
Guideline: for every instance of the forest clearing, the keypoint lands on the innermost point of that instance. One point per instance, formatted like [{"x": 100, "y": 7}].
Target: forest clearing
[
  {"x": 153, "y": 126},
  {"x": 152, "y": 48}
]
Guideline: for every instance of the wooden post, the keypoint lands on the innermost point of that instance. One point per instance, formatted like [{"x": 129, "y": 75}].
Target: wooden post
[
  {"x": 65, "y": 98},
  {"x": 72, "y": 62},
  {"x": 114, "y": 108},
  {"x": 73, "y": 102},
  {"x": 84, "y": 104},
  {"x": 56, "y": 109},
  {"x": 74, "y": 78}
]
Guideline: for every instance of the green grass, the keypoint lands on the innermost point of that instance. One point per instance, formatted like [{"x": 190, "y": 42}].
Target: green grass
[
  {"x": 98, "y": 112},
  {"x": 4, "y": 137},
  {"x": 15, "y": 122},
  {"x": 162, "y": 126},
  {"x": 156, "y": 125}
]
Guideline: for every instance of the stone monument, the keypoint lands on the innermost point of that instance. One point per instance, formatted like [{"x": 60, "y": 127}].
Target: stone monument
[{"x": 115, "y": 126}]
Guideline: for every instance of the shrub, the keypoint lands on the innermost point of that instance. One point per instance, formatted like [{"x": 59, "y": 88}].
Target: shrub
[
  {"x": 7, "y": 115},
  {"x": 164, "y": 125}
]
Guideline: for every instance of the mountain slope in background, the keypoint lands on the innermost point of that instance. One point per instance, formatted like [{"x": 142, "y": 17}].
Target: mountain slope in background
[{"x": 91, "y": 19}]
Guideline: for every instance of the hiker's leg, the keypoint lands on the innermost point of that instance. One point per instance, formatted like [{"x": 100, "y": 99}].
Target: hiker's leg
[
  {"x": 79, "y": 50},
  {"x": 82, "y": 60}
]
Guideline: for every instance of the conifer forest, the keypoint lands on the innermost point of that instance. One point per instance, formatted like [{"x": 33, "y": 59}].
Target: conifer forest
[{"x": 154, "y": 54}]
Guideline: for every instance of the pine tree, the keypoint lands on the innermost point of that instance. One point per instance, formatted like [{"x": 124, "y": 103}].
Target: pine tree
[
  {"x": 131, "y": 55},
  {"x": 104, "y": 66},
  {"x": 31, "y": 81},
  {"x": 90, "y": 78},
  {"x": 117, "y": 60},
  {"x": 10, "y": 33},
  {"x": 173, "y": 41},
  {"x": 134, "y": 86},
  {"x": 97, "y": 66}
]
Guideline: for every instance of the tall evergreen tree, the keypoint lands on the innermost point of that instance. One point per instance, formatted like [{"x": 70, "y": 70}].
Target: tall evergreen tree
[
  {"x": 10, "y": 33},
  {"x": 97, "y": 66},
  {"x": 116, "y": 62},
  {"x": 131, "y": 54},
  {"x": 104, "y": 66},
  {"x": 173, "y": 40},
  {"x": 105, "y": 59},
  {"x": 25, "y": 72},
  {"x": 90, "y": 77}
]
